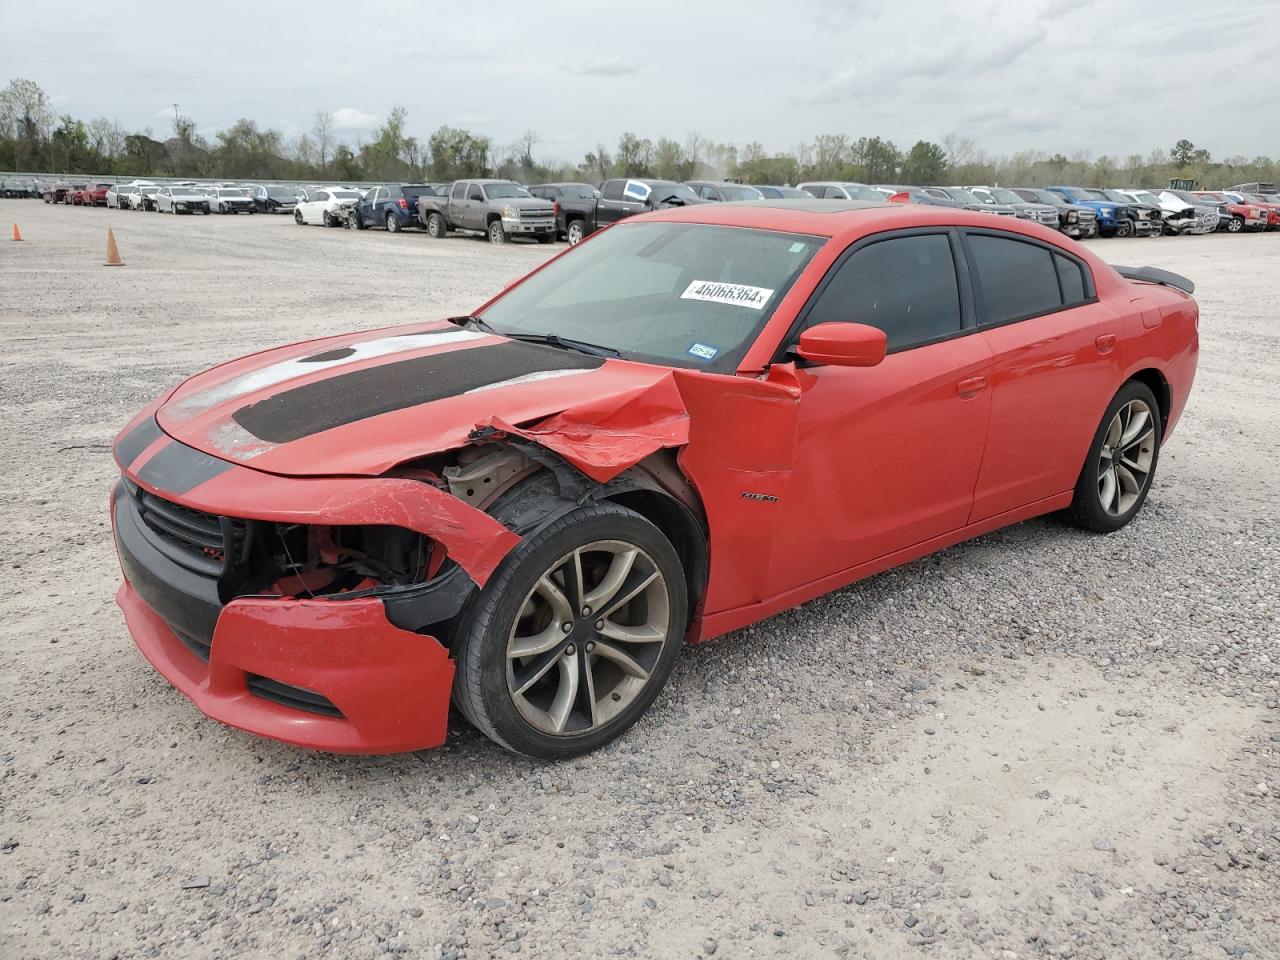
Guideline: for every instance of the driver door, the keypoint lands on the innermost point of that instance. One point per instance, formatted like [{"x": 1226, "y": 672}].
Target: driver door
[{"x": 887, "y": 456}]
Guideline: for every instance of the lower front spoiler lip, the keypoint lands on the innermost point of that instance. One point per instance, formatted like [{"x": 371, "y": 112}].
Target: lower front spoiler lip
[{"x": 391, "y": 686}]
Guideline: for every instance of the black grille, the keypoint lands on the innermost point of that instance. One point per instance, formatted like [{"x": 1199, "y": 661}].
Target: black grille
[
  {"x": 200, "y": 542},
  {"x": 290, "y": 696}
]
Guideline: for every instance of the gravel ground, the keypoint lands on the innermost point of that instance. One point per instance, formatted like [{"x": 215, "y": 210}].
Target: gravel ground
[{"x": 1041, "y": 743}]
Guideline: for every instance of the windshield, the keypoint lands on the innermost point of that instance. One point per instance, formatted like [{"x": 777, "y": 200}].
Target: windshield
[
  {"x": 1002, "y": 195},
  {"x": 231, "y": 193},
  {"x": 345, "y": 194},
  {"x": 149, "y": 191},
  {"x": 577, "y": 191},
  {"x": 1094, "y": 194},
  {"x": 1115, "y": 196},
  {"x": 964, "y": 196},
  {"x": 504, "y": 191},
  {"x": 860, "y": 191},
  {"x": 664, "y": 190},
  {"x": 735, "y": 192},
  {"x": 1146, "y": 197},
  {"x": 678, "y": 294},
  {"x": 280, "y": 193},
  {"x": 415, "y": 190}
]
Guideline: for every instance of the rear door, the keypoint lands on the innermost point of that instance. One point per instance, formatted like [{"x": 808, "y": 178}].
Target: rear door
[
  {"x": 609, "y": 208},
  {"x": 888, "y": 454},
  {"x": 1057, "y": 364}
]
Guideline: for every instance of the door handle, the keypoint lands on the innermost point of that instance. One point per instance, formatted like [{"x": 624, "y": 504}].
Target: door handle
[
  {"x": 1106, "y": 342},
  {"x": 971, "y": 386}
]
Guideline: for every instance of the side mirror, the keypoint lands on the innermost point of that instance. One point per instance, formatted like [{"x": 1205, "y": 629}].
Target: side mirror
[{"x": 842, "y": 345}]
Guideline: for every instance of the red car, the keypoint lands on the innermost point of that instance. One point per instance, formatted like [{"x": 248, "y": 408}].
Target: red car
[
  {"x": 1238, "y": 216},
  {"x": 685, "y": 424},
  {"x": 1268, "y": 202},
  {"x": 95, "y": 195},
  {"x": 75, "y": 195}
]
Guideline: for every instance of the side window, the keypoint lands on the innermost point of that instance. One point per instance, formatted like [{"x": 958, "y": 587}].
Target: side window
[
  {"x": 835, "y": 193},
  {"x": 937, "y": 193},
  {"x": 906, "y": 286},
  {"x": 1018, "y": 279},
  {"x": 1071, "y": 279},
  {"x": 613, "y": 189},
  {"x": 476, "y": 193},
  {"x": 382, "y": 194},
  {"x": 321, "y": 195},
  {"x": 708, "y": 192},
  {"x": 459, "y": 190}
]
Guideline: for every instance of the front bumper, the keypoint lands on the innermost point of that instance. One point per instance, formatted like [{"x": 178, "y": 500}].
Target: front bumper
[
  {"x": 329, "y": 674},
  {"x": 529, "y": 227}
]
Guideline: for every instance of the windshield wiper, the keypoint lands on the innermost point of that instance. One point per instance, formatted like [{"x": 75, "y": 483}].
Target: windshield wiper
[
  {"x": 549, "y": 339},
  {"x": 564, "y": 343}
]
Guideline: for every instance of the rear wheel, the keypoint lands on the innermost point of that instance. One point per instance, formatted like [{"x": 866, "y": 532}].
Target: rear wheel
[
  {"x": 576, "y": 232},
  {"x": 497, "y": 233},
  {"x": 436, "y": 227},
  {"x": 393, "y": 225},
  {"x": 1117, "y": 474},
  {"x": 574, "y": 635}
]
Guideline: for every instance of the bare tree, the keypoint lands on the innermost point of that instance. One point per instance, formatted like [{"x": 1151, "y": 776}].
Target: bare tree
[
  {"x": 322, "y": 130},
  {"x": 960, "y": 150}
]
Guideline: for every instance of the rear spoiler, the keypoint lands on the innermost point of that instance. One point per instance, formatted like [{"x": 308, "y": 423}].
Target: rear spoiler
[{"x": 1153, "y": 275}]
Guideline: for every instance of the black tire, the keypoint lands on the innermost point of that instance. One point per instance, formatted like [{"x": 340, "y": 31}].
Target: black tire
[
  {"x": 576, "y": 232},
  {"x": 497, "y": 233},
  {"x": 1087, "y": 509},
  {"x": 1124, "y": 228},
  {"x": 545, "y": 238},
  {"x": 297, "y": 218},
  {"x": 1235, "y": 225},
  {"x": 327, "y": 218},
  {"x": 480, "y": 687},
  {"x": 393, "y": 225},
  {"x": 436, "y": 227},
  {"x": 355, "y": 221}
]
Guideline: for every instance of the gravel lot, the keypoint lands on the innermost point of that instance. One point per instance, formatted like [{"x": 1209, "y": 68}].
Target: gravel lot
[{"x": 1041, "y": 743}]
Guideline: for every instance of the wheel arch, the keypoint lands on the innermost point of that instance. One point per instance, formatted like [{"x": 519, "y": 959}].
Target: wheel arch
[{"x": 1159, "y": 386}]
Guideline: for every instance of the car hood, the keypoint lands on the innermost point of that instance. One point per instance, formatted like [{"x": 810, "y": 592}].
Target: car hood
[{"x": 360, "y": 404}]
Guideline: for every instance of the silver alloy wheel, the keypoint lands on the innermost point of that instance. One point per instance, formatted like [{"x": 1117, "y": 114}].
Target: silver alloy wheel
[
  {"x": 1124, "y": 464},
  {"x": 589, "y": 636},
  {"x": 575, "y": 233},
  {"x": 496, "y": 233},
  {"x": 435, "y": 225}
]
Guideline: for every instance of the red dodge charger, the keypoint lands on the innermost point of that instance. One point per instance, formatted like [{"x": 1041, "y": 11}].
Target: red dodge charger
[{"x": 689, "y": 422}]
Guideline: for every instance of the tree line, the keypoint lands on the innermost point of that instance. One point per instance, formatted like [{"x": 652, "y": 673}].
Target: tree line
[{"x": 34, "y": 138}]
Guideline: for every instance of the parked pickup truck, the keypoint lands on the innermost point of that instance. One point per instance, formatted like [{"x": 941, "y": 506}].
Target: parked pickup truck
[
  {"x": 1239, "y": 216},
  {"x": 620, "y": 198},
  {"x": 500, "y": 209},
  {"x": 1113, "y": 221},
  {"x": 1074, "y": 219}
]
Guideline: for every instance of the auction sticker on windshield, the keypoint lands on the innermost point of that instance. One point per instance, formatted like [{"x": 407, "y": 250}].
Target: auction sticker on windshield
[{"x": 737, "y": 294}]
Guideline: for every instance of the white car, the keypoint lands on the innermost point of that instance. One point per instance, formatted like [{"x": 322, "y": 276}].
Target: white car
[
  {"x": 328, "y": 206},
  {"x": 230, "y": 200},
  {"x": 177, "y": 198},
  {"x": 1180, "y": 216},
  {"x": 840, "y": 190}
]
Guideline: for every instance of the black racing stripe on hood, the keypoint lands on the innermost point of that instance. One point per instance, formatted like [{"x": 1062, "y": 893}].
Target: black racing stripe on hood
[
  {"x": 177, "y": 468},
  {"x": 348, "y": 397},
  {"x": 130, "y": 446}
]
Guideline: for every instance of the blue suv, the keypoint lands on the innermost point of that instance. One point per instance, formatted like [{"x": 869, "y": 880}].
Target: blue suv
[{"x": 394, "y": 206}]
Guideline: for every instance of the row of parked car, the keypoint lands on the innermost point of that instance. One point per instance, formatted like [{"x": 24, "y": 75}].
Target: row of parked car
[{"x": 503, "y": 209}]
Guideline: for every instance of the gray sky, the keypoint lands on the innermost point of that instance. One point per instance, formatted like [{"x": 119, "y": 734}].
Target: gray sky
[{"x": 1103, "y": 76}]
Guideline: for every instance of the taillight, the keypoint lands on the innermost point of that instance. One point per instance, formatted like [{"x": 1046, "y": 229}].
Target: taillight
[
  {"x": 900, "y": 197},
  {"x": 403, "y": 203},
  {"x": 555, "y": 208}
]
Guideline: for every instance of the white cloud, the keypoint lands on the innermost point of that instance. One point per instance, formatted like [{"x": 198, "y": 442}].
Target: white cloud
[{"x": 349, "y": 118}]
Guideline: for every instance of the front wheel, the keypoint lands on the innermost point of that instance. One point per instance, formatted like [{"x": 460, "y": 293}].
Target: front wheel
[
  {"x": 355, "y": 221},
  {"x": 574, "y": 636},
  {"x": 1117, "y": 474},
  {"x": 297, "y": 218},
  {"x": 1124, "y": 228},
  {"x": 1235, "y": 225},
  {"x": 497, "y": 233}
]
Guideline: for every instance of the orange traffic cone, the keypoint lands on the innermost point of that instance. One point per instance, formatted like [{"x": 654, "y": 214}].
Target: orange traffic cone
[
  {"x": 17, "y": 234},
  {"x": 113, "y": 254}
]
